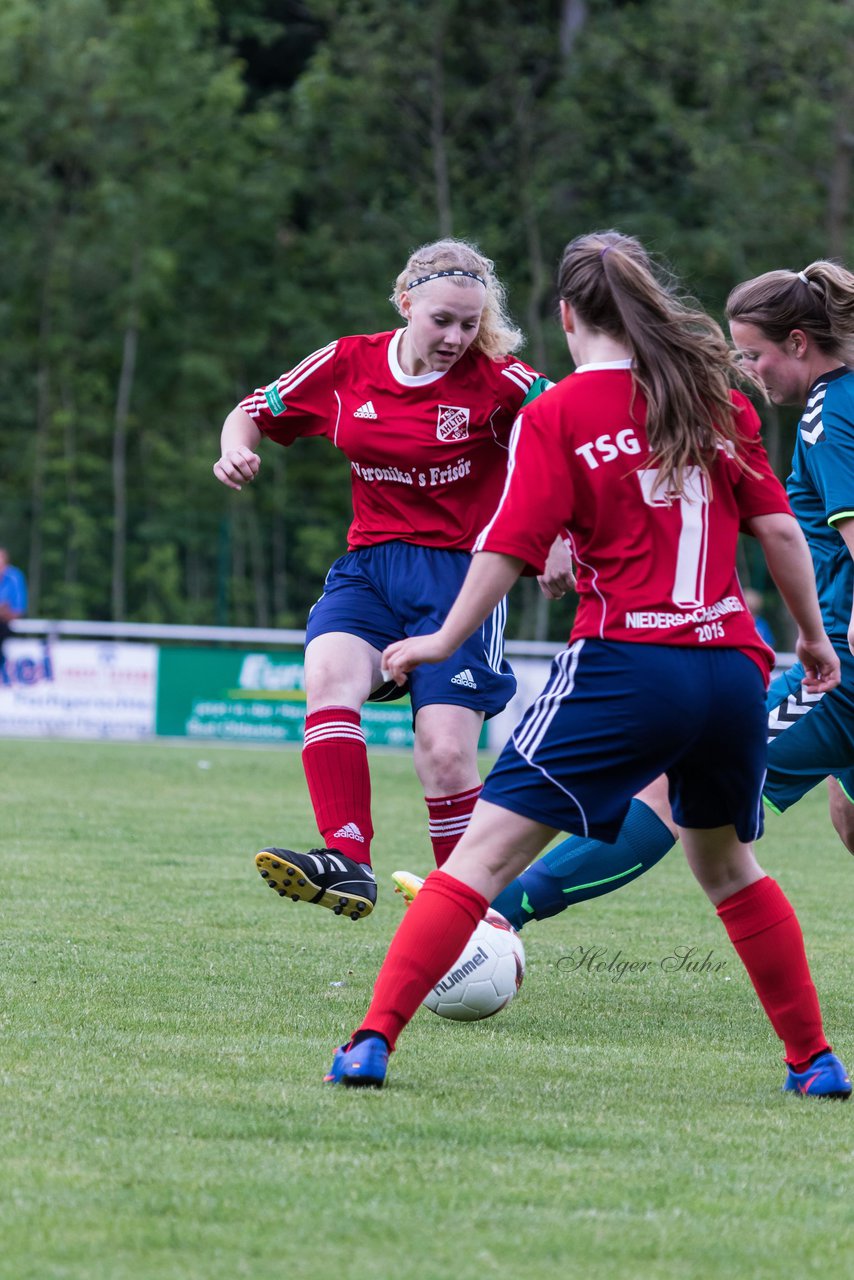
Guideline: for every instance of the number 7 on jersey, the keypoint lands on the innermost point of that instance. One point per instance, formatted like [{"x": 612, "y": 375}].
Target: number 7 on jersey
[{"x": 690, "y": 575}]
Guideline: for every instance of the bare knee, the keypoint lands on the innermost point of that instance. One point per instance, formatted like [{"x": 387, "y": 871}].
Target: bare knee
[
  {"x": 339, "y": 671},
  {"x": 721, "y": 863},
  {"x": 841, "y": 813},
  {"x": 446, "y": 766},
  {"x": 446, "y": 739}
]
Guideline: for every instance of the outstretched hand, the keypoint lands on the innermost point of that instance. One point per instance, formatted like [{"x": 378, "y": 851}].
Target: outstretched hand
[
  {"x": 821, "y": 664},
  {"x": 399, "y": 658}
]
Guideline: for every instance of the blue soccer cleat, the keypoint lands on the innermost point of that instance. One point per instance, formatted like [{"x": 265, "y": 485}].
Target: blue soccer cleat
[
  {"x": 361, "y": 1065},
  {"x": 825, "y": 1077}
]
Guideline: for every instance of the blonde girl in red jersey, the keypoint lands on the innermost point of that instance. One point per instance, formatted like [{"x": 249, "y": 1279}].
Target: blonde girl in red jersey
[
  {"x": 423, "y": 414},
  {"x": 654, "y": 464}
]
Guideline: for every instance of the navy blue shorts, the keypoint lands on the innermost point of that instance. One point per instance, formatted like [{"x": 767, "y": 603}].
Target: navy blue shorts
[
  {"x": 613, "y": 716},
  {"x": 395, "y": 590},
  {"x": 810, "y": 737}
]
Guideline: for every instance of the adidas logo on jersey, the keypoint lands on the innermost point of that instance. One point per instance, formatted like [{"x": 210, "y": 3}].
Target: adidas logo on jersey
[
  {"x": 367, "y": 410},
  {"x": 464, "y": 678},
  {"x": 349, "y": 832}
]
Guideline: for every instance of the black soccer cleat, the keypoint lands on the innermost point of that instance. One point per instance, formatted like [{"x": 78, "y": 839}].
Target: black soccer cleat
[{"x": 323, "y": 876}]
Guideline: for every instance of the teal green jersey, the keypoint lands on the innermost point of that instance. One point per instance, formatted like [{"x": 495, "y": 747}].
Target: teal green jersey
[{"x": 821, "y": 492}]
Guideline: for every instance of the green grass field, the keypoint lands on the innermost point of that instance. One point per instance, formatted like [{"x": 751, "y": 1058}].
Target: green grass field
[{"x": 167, "y": 1020}]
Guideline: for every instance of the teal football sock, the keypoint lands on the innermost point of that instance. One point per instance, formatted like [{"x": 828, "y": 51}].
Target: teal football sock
[{"x": 578, "y": 869}]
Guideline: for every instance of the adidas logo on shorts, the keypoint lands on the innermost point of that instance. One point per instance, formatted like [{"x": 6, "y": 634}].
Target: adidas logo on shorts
[
  {"x": 367, "y": 410},
  {"x": 464, "y": 678}
]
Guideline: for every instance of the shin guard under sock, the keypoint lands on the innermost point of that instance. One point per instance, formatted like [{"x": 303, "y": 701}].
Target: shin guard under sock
[
  {"x": 449, "y": 817},
  {"x": 335, "y": 760},
  {"x": 764, "y": 930},
  {"x": 435, "y": 927}
]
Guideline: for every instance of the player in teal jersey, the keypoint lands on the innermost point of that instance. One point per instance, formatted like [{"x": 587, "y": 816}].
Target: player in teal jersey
[{"x": 796, "y": 331}]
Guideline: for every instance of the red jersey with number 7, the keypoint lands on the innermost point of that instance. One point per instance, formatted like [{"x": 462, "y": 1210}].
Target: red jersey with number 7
[
  {"x": 652, "y": 567},
  {"x": 428, "y": 453}
]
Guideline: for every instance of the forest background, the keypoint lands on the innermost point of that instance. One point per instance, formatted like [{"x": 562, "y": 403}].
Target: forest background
[{"x": 195, "y": 194}]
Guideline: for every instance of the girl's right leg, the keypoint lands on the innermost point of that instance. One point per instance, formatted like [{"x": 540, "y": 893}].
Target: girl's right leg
[
  {"x": 340, "y": 672},
  {"x": 763, "y": 928},
  {"x": 438, "y": 924}
]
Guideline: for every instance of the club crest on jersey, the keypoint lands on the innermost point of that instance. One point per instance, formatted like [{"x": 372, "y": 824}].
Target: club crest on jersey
[{"x": 453, "y": 423}]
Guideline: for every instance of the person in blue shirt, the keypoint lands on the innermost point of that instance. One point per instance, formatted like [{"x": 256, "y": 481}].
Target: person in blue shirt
[
  {"x": 13, "y": 598},
  {"x": 795, "y": 330}
]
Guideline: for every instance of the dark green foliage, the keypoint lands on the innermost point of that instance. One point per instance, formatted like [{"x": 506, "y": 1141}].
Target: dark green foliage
[{"x": 198, "y": 193}]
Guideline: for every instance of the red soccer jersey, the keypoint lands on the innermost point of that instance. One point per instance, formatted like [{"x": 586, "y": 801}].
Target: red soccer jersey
[
  {"x": 650, "y": 568},
  {"x": 428, "y": 454}
]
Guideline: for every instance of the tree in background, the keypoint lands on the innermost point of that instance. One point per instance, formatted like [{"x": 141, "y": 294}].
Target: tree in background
[
  {"x": 198, "y": 194},
  {"x": 137, "y": 220}
]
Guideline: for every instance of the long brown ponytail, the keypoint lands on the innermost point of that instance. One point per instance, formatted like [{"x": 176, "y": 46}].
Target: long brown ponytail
[{"x": 681, "y": 360}]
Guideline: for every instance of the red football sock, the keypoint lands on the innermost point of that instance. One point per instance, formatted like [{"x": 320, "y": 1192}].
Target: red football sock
[
  {"x": 335, "y": 760},
  {"x": 449, "y": 817},
  {"x": 764, "y": 930},
  {"x": 436, "y": 926}
]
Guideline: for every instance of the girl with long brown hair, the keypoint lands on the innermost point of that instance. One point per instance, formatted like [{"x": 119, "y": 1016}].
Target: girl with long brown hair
[{"x": 654, "y": 464}]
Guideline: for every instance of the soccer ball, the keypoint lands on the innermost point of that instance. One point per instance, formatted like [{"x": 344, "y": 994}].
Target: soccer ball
[{"x": 486, "y": 976}]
